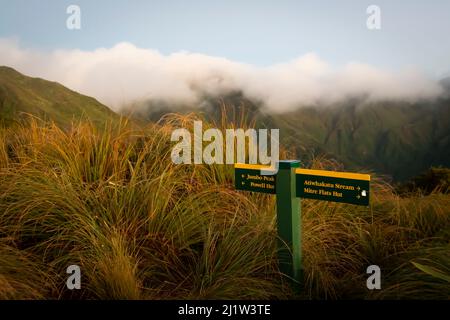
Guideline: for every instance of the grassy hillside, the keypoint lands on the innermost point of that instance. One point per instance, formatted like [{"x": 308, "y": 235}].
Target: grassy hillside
[
  {"x": 21, "y": 95},
  {"x": 140, "y": 227},
  {"x": 111, "y": 201}
]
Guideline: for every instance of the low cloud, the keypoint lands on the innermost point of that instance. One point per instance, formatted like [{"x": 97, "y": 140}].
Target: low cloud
[{"x": 126, "y": 73}]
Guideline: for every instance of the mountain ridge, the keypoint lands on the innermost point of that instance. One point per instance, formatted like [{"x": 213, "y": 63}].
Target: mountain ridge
[
  {"x": 399, "y": 139},
  {"x": 48, "y": 100}
]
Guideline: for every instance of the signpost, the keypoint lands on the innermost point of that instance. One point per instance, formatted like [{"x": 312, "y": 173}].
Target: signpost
[{"x": 290, "y": 184}]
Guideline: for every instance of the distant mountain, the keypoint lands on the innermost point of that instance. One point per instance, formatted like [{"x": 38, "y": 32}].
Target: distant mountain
[
  {"x": 21, "y": 95},
  {"x": 397, "y": 139}
]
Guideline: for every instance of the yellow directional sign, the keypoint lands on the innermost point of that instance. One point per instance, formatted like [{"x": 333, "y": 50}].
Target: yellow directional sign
[
  {"x": 248, "y": 177},
  {"x": 333, "y": 186}
]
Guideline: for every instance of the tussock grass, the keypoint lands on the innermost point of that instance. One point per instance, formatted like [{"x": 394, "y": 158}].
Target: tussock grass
[{"x": 140, "y": 227}]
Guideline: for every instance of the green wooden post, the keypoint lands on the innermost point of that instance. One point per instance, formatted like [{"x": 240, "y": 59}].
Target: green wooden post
[{"x": 289, "y": 222}]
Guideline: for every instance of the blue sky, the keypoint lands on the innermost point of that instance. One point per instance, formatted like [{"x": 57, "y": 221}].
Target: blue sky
[{"x": 258, "y": 32}]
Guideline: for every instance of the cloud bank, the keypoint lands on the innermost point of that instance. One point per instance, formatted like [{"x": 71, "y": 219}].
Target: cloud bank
[{"x": 126, "y": 73}]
